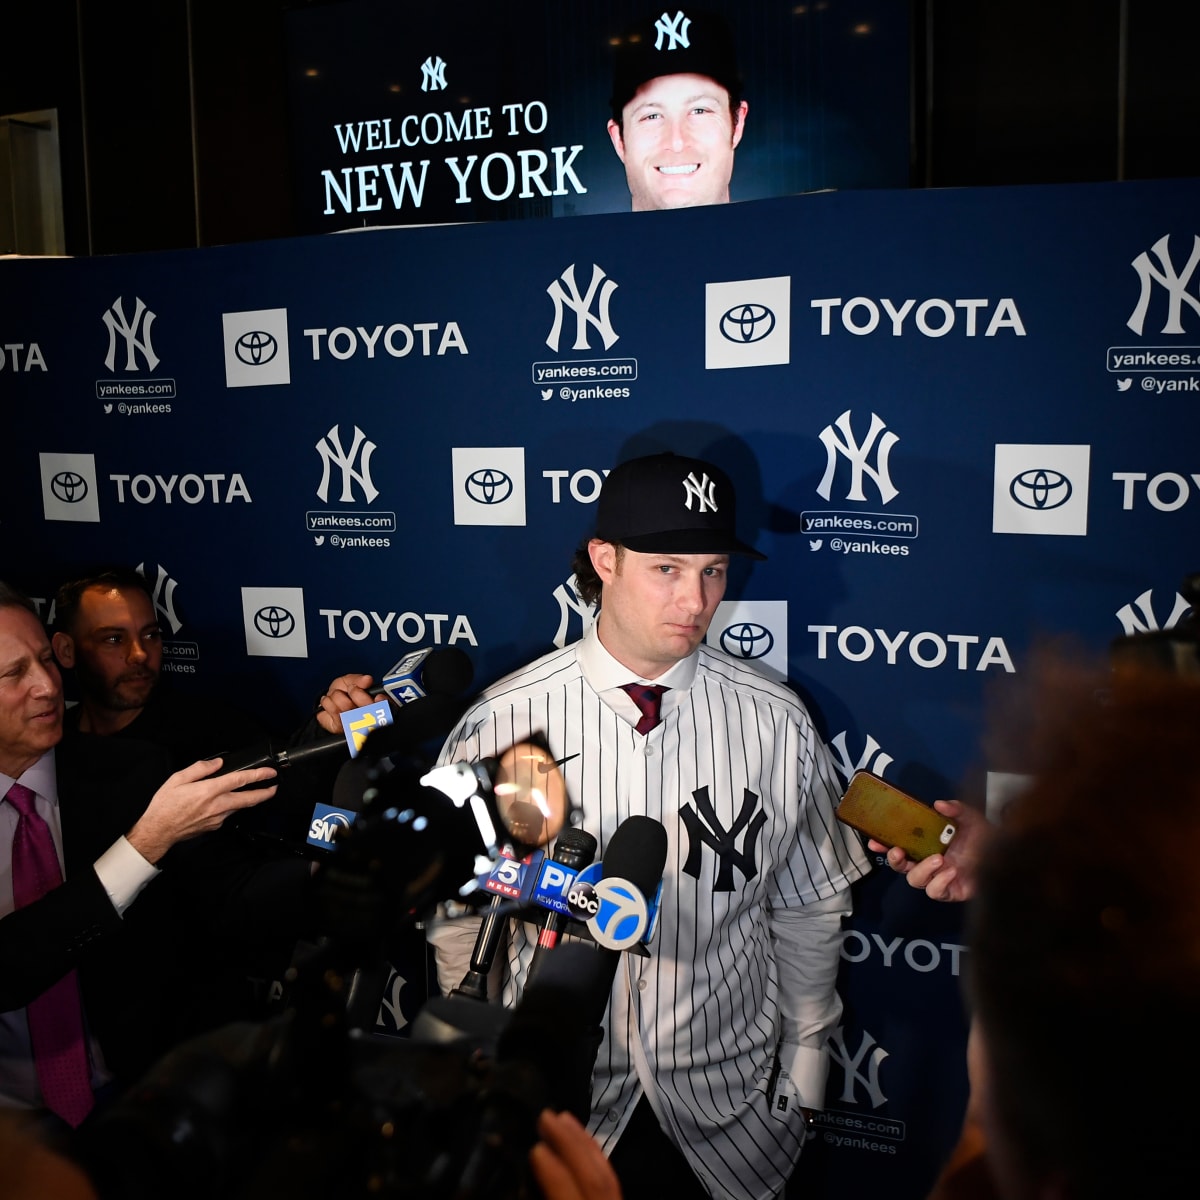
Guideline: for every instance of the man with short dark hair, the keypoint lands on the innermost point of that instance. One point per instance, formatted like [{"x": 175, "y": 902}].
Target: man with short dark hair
[
  {"x": 77, "y": 847},
  {"x": 714, "y": 1048},
  {"x": 677, "y": 111}
]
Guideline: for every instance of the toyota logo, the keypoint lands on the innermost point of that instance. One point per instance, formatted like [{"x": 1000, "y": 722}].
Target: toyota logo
[
  {"x": 274, "y": 622},
  {"x": 747, "y": 640},
  {"x": 69, "y": 486},
  {"x": 255, "y": 348},
  {"x": 487, "y": 486},
  {"x": 1040, "y": 489},
  {"x": 747, "y": 323}
]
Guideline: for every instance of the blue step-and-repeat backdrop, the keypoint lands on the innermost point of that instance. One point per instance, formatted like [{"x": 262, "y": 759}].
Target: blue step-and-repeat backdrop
[{"x": 958, "y": 421}]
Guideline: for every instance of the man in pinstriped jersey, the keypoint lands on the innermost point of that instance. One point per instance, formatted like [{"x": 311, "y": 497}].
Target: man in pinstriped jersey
[{"x": 713, "y": 1055}]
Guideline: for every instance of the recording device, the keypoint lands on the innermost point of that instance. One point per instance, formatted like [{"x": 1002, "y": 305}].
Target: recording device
[
  {"x": 308, "y": 1106},
  {"x": 304, "y": 818},
  {"x": 440, "y": 675},
  {"x": 574, "y": 850},
  {"x": 1176, "y": 650},
  {"x": 433, "y": 669},
  {"x": 885, "y": 813}
]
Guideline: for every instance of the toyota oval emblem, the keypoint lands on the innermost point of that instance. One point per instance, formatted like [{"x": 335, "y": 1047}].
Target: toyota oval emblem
[
  {"x": 747, "y": 323},
  {"x": 274, "y": 622},
  {"x": 747, "y": 640},
  {"x": 69, "y": 486},
  {"x": 1041, "y": 489},
  {"x": 256, "y": 348},
  {"x": 488, "y": 486}
]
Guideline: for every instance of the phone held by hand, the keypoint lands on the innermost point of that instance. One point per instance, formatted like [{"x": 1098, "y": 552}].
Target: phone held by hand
[{"x": 885, "y": 813}]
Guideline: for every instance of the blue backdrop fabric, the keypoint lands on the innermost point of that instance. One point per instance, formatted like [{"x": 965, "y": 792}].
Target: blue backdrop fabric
[{"x": 959, "y": 423}]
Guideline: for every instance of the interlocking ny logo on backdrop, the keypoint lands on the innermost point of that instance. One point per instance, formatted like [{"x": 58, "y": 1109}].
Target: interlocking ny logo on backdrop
[
  {"x": 674, "y": 30},
  {"x": 1174, "y": 283},
  {"x": 333, "y": 454},
  {"x": 859, "y": 1068},
  {"x": 162, "y": 592},
  {"x": 858, "y": 455},
  {"x": 120, "y": 326},
  {"x": 571, "y": 604},
  {"x": 872, "y": 758},
  {"x": 1132, "y": 624},
  {"x": 705, "y": 829},
  {"x": 599, "y": 294},
  {"x": 433, "y": 74}
]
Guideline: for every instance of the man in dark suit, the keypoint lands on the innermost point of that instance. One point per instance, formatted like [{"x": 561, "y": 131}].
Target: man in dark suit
[{"x": 113, "y": 826}]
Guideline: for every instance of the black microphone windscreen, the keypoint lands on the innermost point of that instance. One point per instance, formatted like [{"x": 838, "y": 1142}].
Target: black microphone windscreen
[
  {"x": 637, "y": 852},
  {"x": 446, "y": 672}
]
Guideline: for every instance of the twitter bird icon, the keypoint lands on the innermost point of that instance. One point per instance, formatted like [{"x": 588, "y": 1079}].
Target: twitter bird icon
[{"x": 1123, "y": 385}]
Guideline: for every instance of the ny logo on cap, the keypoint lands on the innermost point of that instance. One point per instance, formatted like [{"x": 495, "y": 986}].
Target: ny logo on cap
[
  {"x": 704, "y": 490},
  {"x": 675, "y": 28}
]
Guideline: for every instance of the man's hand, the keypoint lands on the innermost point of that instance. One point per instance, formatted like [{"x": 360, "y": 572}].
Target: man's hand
[
  {"x": 949, "y": 876},
  {"x": 343, "y": 694},
  {"x": 193, "y": 801},
  {"x": 568, "y": 1162}
]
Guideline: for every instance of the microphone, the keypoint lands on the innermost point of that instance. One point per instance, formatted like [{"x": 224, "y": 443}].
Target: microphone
[
  {"x": 635, "y": 857},
  {"x": 574, "y": 850},
  {"x": 441, "y": 673},
  {"x": 509, "y": 880},
  {"x": 442, "y": 669}
]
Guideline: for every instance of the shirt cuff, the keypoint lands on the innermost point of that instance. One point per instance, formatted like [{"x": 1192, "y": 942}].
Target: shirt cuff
[
  {"x": 809, "y": 1069},
  {"x": 123, "y": 872}
]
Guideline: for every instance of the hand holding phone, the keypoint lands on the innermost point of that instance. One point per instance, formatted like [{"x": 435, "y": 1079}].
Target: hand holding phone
[{"x": 885, "y": 813}]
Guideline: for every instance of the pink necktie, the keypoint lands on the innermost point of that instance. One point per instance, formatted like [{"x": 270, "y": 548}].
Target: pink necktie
[
  {"x": 648, "y": 697},
  {"x": 56, "y": 1016}
]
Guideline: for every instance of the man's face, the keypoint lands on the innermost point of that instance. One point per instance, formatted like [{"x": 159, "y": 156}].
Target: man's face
[
  {"x": 31, "y": 700},
  {"x": 115, "y": 647},
  {"x": 656, "y": 608},
  {"x": 676, "y": 139}
]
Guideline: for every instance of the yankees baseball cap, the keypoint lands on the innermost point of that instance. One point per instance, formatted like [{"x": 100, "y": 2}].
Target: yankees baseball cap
[
  {"x": 689, "y": 42},
  {"x": 669, "y": 504}
]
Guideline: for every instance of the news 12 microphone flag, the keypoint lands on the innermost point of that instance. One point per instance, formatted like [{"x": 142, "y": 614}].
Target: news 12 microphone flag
[{"x": 958, "y": 422}]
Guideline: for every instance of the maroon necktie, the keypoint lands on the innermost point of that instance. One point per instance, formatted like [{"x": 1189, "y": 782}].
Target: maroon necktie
[
  {"x": 56, "y": 1016},
  {"x": 648, "y": 697}
]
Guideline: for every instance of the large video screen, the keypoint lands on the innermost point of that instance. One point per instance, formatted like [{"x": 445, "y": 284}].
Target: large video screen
[{"x": 407, "y": 114}]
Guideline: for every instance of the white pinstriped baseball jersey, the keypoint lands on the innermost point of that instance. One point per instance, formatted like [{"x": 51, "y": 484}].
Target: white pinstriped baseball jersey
[{"x": 745, "y": 790}]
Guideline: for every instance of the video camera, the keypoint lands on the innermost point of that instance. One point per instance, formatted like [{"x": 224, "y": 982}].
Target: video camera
[{"x": 313, "y": 1103}]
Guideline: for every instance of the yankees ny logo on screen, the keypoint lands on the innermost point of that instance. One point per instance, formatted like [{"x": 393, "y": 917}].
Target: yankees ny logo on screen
[
  {"x": 858, "y": 454},
  {"x": 1175, "y": 284},
  {"x": 704, "y": 829},
  {"x": 703, "y": 491},
  {"x": 118, "y": 325},
  {"x": 433, "y": 74},
  {"x": 332, "y": 454},
  {"x": 599, "y": 291},
  {"x": 674, "y": 29},
  {"x": 163, "y": 594}
]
